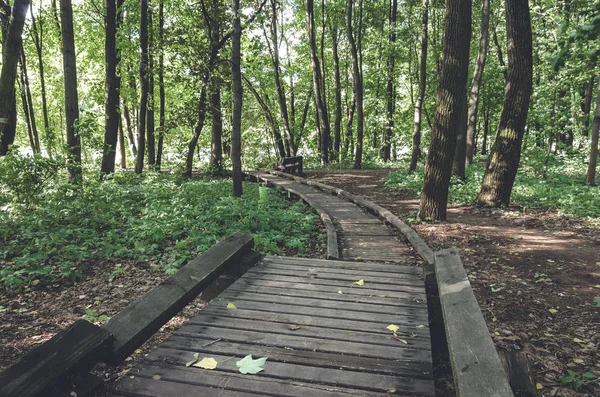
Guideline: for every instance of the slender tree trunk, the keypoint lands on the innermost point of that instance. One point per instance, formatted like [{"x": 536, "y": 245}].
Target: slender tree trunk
[
  {"x": 144, "y": 83},
  {"x": 358, "y": 87},
  {"x": 590, "y": 178},
  {"x": 8, "y": 75},
  {"x": 25, "y": 106},
  {"x": 486, "y": 130},
  {"x": 587, "y": 105},
  {"x": 29, "y": 103},
  {"x": 416, "y": 146},
  {"x": 71, "y": 97},
  {"x": 390, "y": 90},
  {"x": 236, "y": 77},
  {"x": 500, "y": 54},
  {"x": 111, "y": 90},
  {"x": 129, "y": 128},
  {"x": 450, "y": 96},
  {"x": 38, "y": 39},
  {"x": 122, "y": 150},
  {"x": 321, "y": 111},
  {"x": 337, "y": 125},
  {"x": 150, "y": 125},
  {"x": 505, "y": 156},
  {"x": 458, "y": 164},
  {"x": 477, "y": 78},
  {"x": 161, "y": 82}
]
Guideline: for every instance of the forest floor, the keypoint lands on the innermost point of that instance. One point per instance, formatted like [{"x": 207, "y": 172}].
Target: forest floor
[{"x": 535, "y": 276}]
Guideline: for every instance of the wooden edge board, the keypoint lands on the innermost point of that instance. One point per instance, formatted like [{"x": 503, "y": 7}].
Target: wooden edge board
[
  {"x": 475, "y": 364},
  {"x": 47, "y": 369},
  {"x": 136, "y": 323},
  {"x": 416, "y": 241}
]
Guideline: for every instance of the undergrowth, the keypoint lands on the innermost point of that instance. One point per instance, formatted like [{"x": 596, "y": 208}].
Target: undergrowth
[
  {"x": 157, "y": 219},
  {"x": 558, "y": 186}
]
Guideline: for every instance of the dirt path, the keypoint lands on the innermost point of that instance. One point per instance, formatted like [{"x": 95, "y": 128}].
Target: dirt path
[{"x": 535, "y": 276}]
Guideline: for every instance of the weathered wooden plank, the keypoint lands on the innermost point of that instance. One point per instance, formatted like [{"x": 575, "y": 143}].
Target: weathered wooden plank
[
  {"x": 368, "y": 382},
  {"x": 142, "y": 318},
  {"x": 475, "y": 364},
  {"x": 46, "y": 369},
  {"x": 379, "y": 365},
  {"x": 370, "y": 266}
]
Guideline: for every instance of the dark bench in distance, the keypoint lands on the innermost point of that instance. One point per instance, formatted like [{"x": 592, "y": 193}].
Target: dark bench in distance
[{"x": 292, "y": 165}]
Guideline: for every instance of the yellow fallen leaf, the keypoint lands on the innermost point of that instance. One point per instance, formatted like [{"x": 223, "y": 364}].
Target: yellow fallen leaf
[
  {"x": 553, "y": 311},
  {"x": 359, "y": 282},
  {"x": 392, "y": 327},
  {"x": 550, "y": 261},
  {"x": 496, "y": 333},
  {"x": 340, "y": 292},
  {"x": 539, "y": 386},
  {"x": 231, "y": 306},
  {"x": 391, "y": 391},
  {"x": 577, "y": 340},
  {"x": 597, "y": 286},
  {"x": 206, "y": 363},
  {"x": 578, "y": 361},
  {"x": 597, "y": 263},
  {"x": 156, "y": 377},
  {"x": 420, "y": 326}
]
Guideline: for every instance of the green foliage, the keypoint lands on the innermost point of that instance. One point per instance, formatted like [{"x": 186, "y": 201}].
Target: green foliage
[
  {"x": 576, "y": 380},
  {"x": 559, "y": 186},
  {"x": 94, "y": 317},
  {"x": 156, "y": 219},
  {"x": 597, "y": 301}
]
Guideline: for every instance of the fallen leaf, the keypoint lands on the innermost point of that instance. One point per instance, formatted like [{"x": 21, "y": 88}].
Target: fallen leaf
[
  {"x": 553, "y": 311},
  {"x": 539, "y": 386},
  {"x": 340, "y": 292},
  {"x": 231, "y": 306},
  {"x": 156, "y": 377},
  {"x": 578, "y": 361},
  {"x": 400, "y": 340},
  {"x": 392, "y": 327},
  {"x": 550, "y": 260},
  {"x": 294, "y": 327},
  {"x": 207, "y": 363},
  {"x": 193, "y": 361},
  {"x": 359, "y": 282},
  {"x": 597, "y": 286},
  {"x": 496, "y": 333},
  {"x": 247, "y": 365},
  {"x": 577, "y": 340},
  {"x": 420, "y": 326},
  {"x": 391, "y": 391}
]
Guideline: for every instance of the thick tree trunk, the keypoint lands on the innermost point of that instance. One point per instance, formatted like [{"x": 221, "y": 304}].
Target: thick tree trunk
[
  {"x": 144, "y": 83},
  {"x": 458, "y": 164},
  {"x": 8, "y": 75},
  {"x": 506, "y": 152},
  {"x": 416, "y": 144},
  {"x": 111, "y": 90},
  {"x": 150, "y": 125},
  {"x": 358, "y": 87},
  {"x": 337, "y": 125},
  {"x": 450, "y": 96},
  {"x": 591, "y": 172},
  {"x": 161, "y": 83},
  {"x": 321, "y": 110},
  {"x": 71, "y": 98},
  {"x": 236, "y": 77},
  {"x": 476, "y": 82},
  {"x": 390, "y": 88}
]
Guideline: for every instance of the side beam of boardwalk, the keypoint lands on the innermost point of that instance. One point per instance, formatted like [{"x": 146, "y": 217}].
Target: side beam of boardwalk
[
  {"x": 361, "y": 236},
  {"x": 322, "y": 334}
]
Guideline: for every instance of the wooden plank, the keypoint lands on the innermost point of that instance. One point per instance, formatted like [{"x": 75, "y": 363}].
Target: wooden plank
[
  {"x": 475, "y": 364},
  {"x": 46, "y": 369},
  {"x": 379, "y": 365},
  {"x": 371, "y": 266},
  {"x": 368, "y": 382},
  {"x": 141, "y": 319}
]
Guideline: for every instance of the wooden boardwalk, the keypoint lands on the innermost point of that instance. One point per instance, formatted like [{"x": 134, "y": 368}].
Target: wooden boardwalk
[{"x": 323, "y": 334}]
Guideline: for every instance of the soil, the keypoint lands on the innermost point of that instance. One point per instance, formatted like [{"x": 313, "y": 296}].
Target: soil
[{"x": 535, "y": 275}]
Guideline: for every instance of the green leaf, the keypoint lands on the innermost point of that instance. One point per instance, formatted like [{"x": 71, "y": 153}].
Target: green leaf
[
  {"x": 247, "y": 365},
  {"x": 589, "y": 375},
  {"x": 597, "y": 301}
]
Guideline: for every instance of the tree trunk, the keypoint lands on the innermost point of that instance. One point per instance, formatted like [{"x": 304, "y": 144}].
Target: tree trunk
[
  {"x": 321, "y": 110},
  {"x": 416, "y": 146},
  {"x": 500, "y": 56},
  {"x": 144, "y": 83},
  {"x": 390, "y": 89},
  {"x": 486, "y": 130},
  {"x": 458, "y": 164},
  {"x": 587, "y": 104},
  {"x": 476, "y": 82},
  {"x": 10, "y": 58},
  {"x": 236, "y": 77},
  {"x": 29, "y": 103},
  {"x": 122, "y": 150},
  {"x": 129, "y": 128},
  {"x": 111, "y": 90},
  {"x": 505, "y": 156},
  {"x": 150, "y": 112},
  {"x": 358, "y": 87},
  {"x": 38, "y": 39},
  {"x": 71, "y": 98},
  {"x": 337, "y": 125},
  {"x": 25, "y": 106},
  {"x": 590, "y": 178},
  {"x": 161, "y": 82},
  {"x": 450, "y": 96}
]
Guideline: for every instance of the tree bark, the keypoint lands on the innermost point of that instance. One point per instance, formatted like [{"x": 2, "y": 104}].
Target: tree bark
[
  {"x": 150, "y": 125},
  {"x": 8, "y": 75},
  {"x": 476, "y": 82},
  {"x": 236, "y": 77},
  {"x": 458, "y": 164},
  {"x": 28, "y": 104},
  {"x": 587, "y": 104},
  {"x": 500, "y": 55},
  {"x": 161, "y": 83},
  {"x": 216, "y": 150},
  {"x": 111, "y": 90},
  {"x": 337, "y": 125},
  {"x": 450, "y": 96},
  {"x": 122, "y": 150},
  {"x": 321, "y": 110},
  {"x": 38, "y": 40},
  {"x": 506, "y": 152},
  {"x": 144, "y": 83},
  {"x": 416, "y": 146},
  {"x": 358, "y": 87},
  {"x": 590, "y": 178},
  {"x": 390, "y": 88},
  {"x": 71, "y": 97}
]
